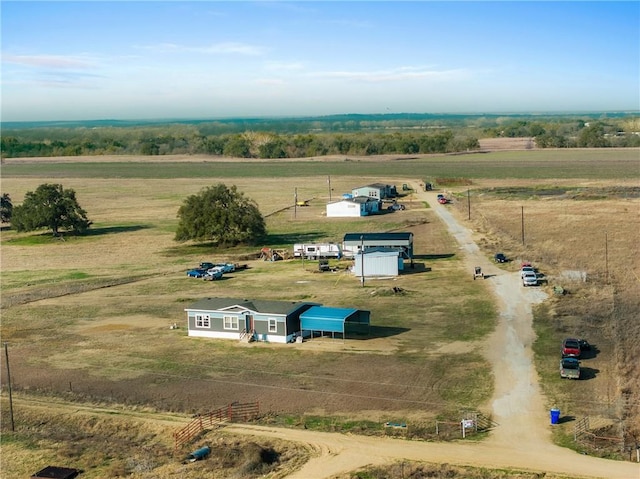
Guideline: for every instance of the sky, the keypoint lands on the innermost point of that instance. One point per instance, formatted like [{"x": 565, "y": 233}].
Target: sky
[{"x": 91, "y": 60}]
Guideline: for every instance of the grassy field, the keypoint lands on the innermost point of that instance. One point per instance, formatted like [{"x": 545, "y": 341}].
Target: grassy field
[
  {"x": 87, "y": 318},
  {"x": 540, "y": 164}
]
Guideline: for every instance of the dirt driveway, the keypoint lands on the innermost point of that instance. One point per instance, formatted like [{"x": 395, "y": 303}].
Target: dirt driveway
[{"x": 522, "y": 438}]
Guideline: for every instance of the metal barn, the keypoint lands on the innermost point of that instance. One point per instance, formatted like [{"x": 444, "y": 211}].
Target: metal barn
[
  {"x": 378, "y": 263},
  {"x": 352, "y": 243}
]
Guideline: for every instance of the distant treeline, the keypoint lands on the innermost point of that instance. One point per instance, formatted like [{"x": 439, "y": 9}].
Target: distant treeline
[{"x": 306, "y": 137}]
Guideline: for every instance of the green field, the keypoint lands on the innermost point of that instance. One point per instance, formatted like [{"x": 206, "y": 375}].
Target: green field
[{"x": 540, "y": 164}]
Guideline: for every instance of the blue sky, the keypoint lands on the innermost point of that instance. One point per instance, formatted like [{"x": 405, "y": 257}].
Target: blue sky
[{"x": 151, "y": 60}]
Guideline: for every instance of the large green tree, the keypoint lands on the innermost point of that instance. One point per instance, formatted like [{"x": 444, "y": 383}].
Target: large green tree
[
  {"x": 6, "y": 208},
  {"x": 221, "y": 215},
  {"x": 50, "y": 206}
]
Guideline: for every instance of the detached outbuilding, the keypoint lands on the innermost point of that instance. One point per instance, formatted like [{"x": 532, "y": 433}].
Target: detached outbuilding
[
  {"x": 378, "y": 263},
  {"x": 353, "y": 207},
  {"x": 400, "y": 241},
  {"x": 378, "y": 191},
  {"x": 260, "y": 320}
]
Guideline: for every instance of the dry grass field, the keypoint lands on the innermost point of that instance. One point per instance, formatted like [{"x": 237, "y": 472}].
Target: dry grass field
[{"x": 87, "y": 318}]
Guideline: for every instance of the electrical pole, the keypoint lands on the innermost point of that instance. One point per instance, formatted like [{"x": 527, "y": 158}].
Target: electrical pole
[
  {"x": 6, "y": 352},
  {"x": 469, "y": 203},
  {"x": 329, "y": 182},
  {"x": 295, "y": 202},
  {"x": 362, "y": 259},
  {"x": 606, "y": 257},
  {"x": 522, "y": 222}
]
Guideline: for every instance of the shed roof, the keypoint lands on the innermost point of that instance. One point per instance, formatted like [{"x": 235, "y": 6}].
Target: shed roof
[
  {"x": 378, "y": 186},
  {"x": 406, "y": 236},
  {"x": 256, "y": 305}
]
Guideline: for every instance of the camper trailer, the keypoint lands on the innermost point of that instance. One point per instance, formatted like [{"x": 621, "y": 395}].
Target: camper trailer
[{"x": 317, "y": 250}]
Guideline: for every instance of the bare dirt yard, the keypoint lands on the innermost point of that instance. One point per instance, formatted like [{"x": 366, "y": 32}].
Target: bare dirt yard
[{"x": 89, "y": 335}]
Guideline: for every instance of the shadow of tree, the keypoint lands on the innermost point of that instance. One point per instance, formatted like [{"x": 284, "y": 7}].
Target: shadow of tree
[
  {"x": 108, "y": 230},
  {"x": 434, "y": 256},
  {"x": 292, "y": 238}
]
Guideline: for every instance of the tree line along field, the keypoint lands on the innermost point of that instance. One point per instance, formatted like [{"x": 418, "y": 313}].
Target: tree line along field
[
  {"x": 82, "y": 341},
  {"x": 307, "y": 137}
]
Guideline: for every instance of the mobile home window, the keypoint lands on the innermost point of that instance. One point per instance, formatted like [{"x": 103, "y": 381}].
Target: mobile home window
[
  {"x": 231, "y": 322},
  {"x": 202, "y": 321},
  {"x": 273, "y": 327}
]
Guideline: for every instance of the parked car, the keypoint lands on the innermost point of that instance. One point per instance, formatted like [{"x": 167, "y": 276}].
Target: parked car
[
  {"x": 196, "y": 273},
  {"x": 213, "y": 274},
  {"x": 225, "y": 267},
  {"x": 396, "y": 207},
  {"x": 206, "y": 266},
  {"x": 529, "y": 279},
  {"x": 443, "y": 201},
  {"x": 527, "y": 269},
  {"x": 500, "y": 258},
  {"x": 571, "y": 348},
  {"x": 570, "y": 368}
]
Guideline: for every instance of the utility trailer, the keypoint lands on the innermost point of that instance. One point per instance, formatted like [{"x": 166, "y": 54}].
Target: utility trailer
[{"x": 317, "y": 251}]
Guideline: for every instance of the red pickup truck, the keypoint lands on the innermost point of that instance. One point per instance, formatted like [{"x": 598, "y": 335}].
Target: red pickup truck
[{"x": 571, "y": 348}]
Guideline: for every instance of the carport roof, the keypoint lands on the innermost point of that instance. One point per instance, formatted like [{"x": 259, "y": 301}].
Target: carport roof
[{"x": 320, "y": 318}]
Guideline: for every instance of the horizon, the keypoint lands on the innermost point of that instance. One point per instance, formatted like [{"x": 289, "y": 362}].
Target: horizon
[
  {"x": 335, "y": 115},
  {"x": 197, "y": 61}
]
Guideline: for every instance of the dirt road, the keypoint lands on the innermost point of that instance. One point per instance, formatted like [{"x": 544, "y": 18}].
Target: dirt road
[{"x": 522, "y": 438}]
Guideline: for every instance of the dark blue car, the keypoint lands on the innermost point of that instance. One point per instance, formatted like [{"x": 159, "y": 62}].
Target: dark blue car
[{"x": 196, "y": 273}]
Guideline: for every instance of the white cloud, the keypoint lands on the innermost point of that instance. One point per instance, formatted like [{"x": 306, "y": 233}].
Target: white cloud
[
  {"x": 48, "y": 61},
  {"x": 216, "y": 48},
  {"x": 397, "y": 74},
  {"x": 288, "y": 66}
]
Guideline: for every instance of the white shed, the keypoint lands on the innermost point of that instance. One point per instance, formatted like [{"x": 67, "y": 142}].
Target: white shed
[
  {"x": 378, "y": 264},
  {"x": 353, "y": 207}
]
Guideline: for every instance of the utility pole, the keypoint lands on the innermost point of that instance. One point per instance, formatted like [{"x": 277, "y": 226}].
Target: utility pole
[
  {"x": 362, "y": 259},
  {"x": 295, "y": 202},
  {"x": 522, "y": 223},
  {"x": 606, "y": 257},
  {"x": 329, "y": 182},
  {"x": 469, "y": 203},
  {"x": 6, "y": 352}
]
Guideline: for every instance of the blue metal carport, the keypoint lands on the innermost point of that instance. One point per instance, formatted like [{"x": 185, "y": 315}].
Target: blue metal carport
[{"x": 333, "y": 320}]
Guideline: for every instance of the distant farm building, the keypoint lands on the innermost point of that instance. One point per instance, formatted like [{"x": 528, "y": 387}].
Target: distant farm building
[
  {"x": 353, "y": 207},
  {"x": 378, "y": 191}
]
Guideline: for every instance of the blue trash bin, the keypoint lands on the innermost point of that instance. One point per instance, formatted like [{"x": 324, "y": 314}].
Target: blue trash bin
[{"x": 555, "y": 416}]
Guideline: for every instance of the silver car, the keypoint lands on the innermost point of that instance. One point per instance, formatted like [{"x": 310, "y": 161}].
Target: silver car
[{"x": 529, "y": 279}]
